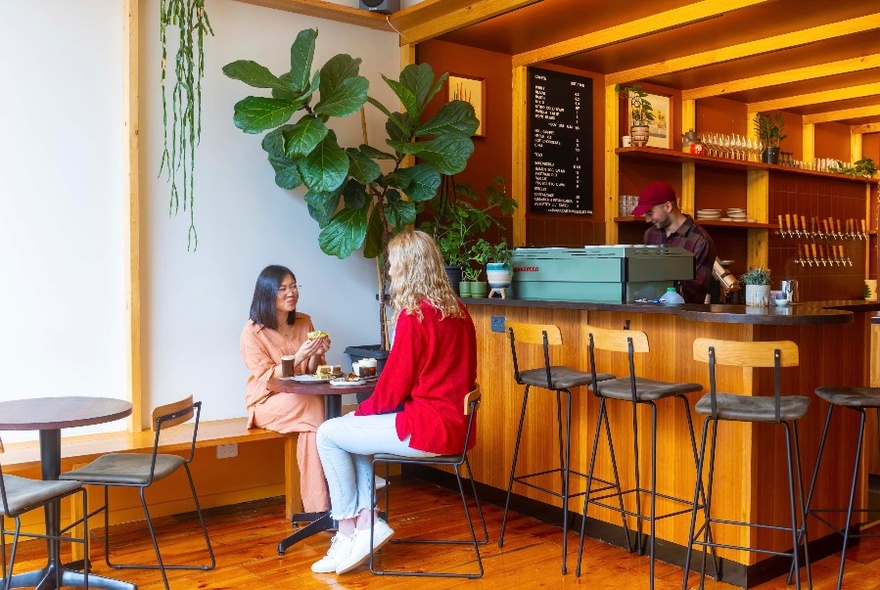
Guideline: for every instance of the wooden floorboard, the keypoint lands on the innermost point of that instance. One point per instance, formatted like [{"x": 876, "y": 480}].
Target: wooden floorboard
[{"x": 245, "y": 539}]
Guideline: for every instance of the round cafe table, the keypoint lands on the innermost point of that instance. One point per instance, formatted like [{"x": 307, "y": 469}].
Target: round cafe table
[
  {"x": 318, "y": 521},
  {"x": 49, "y": 415}
]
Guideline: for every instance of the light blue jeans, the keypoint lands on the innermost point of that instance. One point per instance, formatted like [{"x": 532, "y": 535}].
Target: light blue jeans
[{"x": 346, "y": 445}]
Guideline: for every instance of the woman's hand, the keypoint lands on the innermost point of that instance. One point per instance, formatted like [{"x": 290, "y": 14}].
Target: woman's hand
[{"x": 313, "y": 347}]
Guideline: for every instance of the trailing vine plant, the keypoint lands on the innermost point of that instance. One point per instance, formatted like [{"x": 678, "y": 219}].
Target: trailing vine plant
[{"x": 178, "y": 153}]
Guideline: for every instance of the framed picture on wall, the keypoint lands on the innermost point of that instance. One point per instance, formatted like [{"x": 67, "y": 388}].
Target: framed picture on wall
[
  {"x": 472, "y": 90},
  {"x": 660, "y": 135}
]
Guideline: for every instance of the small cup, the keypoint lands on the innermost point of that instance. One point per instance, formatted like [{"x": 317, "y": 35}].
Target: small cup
[
  {"x": 626, "y": 141},
  {"x": 288, "y": 366},
  {"x": 781, "y": 302}
]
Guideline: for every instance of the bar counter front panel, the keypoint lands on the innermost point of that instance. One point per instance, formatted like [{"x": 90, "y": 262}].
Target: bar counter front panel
[{"x": 751, "y": 480}]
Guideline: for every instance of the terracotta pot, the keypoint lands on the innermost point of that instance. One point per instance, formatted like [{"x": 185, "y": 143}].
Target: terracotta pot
[{"x": 639, "y": 135}]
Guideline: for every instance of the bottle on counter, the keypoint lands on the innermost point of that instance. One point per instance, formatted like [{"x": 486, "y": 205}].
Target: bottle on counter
[{"x": 671, "y": 297}]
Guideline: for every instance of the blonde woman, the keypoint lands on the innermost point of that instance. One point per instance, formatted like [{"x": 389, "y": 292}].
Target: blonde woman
[{"x": 416, "y": 408}]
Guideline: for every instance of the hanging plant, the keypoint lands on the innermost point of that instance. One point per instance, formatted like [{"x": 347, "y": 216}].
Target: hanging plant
[{"x": 179, "y": 151}]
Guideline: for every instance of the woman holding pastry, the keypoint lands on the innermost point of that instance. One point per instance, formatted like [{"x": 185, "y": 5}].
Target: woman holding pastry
[
  {"x": 275, "y": 329},
  {"x": 415, "y": 410}
]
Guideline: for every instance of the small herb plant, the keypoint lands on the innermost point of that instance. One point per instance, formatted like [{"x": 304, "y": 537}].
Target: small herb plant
[
  {"x": 769, "y": 129},
  {"x": 862, "y": 168},
  {"x": 641, "y": 111},
  {"x": 755, "y": 276}
]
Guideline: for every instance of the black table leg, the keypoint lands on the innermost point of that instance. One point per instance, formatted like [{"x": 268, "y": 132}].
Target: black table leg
[{"x": 324, "y": 523}]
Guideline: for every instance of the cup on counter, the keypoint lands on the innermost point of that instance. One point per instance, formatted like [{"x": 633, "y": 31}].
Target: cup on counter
[
  {"x": 871, "y": 290},
  {"x": 626, "y": 141},
  {"x": 288, "y": 365},
  {"x": 364, "y": 367},
  {"x": 790, "y": 290}
]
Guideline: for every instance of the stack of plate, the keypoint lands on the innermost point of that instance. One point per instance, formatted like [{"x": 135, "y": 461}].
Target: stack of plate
[
  {"x": 708, "y": 214},
  {"x": 735, "y": 214}
]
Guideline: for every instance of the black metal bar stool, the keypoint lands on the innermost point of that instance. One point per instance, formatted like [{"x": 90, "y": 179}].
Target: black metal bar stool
[
  {"x": 781, "y": 410},
  {"x": 635, "y": 391},
  {"x": 857, "y": 399},
  {"x": 555, "y": 378}
]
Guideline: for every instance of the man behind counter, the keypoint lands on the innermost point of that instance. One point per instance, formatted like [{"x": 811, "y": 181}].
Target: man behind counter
[{"x": 671, "y": 227}]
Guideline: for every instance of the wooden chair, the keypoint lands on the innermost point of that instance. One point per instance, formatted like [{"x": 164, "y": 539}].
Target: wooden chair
[
  {"x": 140, "y": 470},
  {"x": 635, "y": 391},
  {"x": 19, "y": 495},
  {"x": 784, "y": 411},
  {"x": 560, "y": 380},
  {"x": 471, "y": 404}
]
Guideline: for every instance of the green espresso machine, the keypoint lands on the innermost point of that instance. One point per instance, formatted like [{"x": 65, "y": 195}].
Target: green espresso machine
[{"x": 599, "y": 274}]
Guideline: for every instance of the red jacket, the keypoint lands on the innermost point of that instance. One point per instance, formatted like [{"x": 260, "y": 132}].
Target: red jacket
[{"x": 431, "y": 368}]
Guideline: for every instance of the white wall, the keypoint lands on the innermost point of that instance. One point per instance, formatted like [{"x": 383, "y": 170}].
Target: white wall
[{"x": 62, "y": 266}]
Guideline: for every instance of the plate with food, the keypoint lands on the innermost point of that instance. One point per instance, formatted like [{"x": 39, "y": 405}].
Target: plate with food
[{"x": 349, "y": 380}]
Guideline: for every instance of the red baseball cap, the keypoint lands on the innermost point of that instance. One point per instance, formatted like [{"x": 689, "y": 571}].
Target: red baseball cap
[{"x": 655, "y": 193}]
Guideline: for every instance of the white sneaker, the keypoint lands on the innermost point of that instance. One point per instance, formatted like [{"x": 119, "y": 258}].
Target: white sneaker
[
  {"x": 360, "y": 546},
  {"x": 340, "y": 545}
]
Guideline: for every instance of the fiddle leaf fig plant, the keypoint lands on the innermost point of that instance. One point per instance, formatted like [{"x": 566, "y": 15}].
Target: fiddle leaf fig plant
[{"x": 360, "y": 195}]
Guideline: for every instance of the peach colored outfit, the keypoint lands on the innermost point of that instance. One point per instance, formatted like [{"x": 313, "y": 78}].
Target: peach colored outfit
[{"x": 262, "y": 349}]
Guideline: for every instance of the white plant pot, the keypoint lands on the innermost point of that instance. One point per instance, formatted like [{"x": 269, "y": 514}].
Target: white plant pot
[
  {"x": 758, "y": 295},
  {"x": 498, "y": 275}
]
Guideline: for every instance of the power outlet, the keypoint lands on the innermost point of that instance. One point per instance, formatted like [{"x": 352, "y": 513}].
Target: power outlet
[
  {"x": 497, "y": 324},
  {"x": 227, "y": 451}
]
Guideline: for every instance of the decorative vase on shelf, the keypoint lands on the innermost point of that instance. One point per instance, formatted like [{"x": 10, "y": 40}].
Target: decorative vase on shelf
[
  {"x": 464, "y": 289},
  {"x": 639, "y": 134},
  {"x": 770, "y": 155},
  {"x": 498, "y": 275},
  {"x": 479, "y": 289},
  {"x": 758, "y": 295}
]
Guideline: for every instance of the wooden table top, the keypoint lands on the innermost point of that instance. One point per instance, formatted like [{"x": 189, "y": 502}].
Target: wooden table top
[
  {"x": 305, "y": 388},
  {"x": 54, "y": 413}
]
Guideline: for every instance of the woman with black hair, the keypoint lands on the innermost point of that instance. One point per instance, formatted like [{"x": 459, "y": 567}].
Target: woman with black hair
[{"x": 276, "y": 329}]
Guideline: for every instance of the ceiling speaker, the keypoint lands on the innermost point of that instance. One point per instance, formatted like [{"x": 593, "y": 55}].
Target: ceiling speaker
[{"x": 383, "y": 6}]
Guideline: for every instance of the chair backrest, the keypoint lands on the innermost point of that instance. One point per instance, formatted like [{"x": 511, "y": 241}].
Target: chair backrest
[
  {"x": 774, "y": 353},
  {"x": 628, "y": 341},
  {"x": 173, "y": 414},
  {"x": 2, "y": 486},
  {"x": 545, "y": 335},
  {"x": 471, "y": 404}
]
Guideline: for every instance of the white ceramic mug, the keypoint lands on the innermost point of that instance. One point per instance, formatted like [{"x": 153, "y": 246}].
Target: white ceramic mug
[{"x": 626, "y": 141}]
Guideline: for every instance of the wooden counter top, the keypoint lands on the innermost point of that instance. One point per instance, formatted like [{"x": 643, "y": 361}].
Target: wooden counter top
[{"x": 806, "y": 313}]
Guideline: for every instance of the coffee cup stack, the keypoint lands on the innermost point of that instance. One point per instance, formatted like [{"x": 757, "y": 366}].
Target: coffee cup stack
[{"x": 365, "y": 367}]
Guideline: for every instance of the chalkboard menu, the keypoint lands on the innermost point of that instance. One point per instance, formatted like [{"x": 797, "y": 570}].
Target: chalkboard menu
[{"x": 560, "y": 146}]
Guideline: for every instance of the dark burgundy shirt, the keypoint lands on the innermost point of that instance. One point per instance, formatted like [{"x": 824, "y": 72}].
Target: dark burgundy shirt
[{"x": 692, "y": 238}]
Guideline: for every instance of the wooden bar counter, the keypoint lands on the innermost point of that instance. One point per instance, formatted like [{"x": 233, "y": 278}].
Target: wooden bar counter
[{"x": 751, "y": 480}]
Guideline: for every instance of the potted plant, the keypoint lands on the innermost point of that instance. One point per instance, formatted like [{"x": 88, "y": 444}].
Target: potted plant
[
  {"x": 757, "y": 285},
  {"x": 769, "y": 129},
  {"x": 360, "y": 196},
  {"x": 641, "y": 112},
  {"x": 499, "y": 273}
]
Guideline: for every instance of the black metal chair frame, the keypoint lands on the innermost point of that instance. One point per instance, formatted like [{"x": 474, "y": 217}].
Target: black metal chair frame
[
  {"x": 564, "y": 444},
  {"x": 652, "y": 517},
  {"x": 795, "y": 485},
  {"x": 160, "y": 422},
  {"x": 816, "y": 512},
  {"x": 454, "y": 461},
  {"x": 43, "y": 499}
]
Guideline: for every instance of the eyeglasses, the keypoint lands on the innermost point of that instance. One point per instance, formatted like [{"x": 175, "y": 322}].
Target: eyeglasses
[{"x": 284, "y": 288}]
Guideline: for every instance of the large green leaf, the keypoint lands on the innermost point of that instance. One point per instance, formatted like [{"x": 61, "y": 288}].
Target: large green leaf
[
  {"x": 400, "y": 213},
  {"x": 398, "y": 128},
  {"x": 322, "y": 206},
  {"x": 338, "y": 68},
  {"x": 448, "y": 153},
  {"x": 303, "y": 136},
  {"x": 456, "y": 115},
  {"x": 354, "y": 194},
  {"x": 345, "y": 233},
  {"x": 286, "y": 173},
  {"x": 326, "y": 168},
  {"x": 273, "y": 142},
  {"x": 253, "y": 74},
  {"x": 302, "y": 52},
  {"x": 347, "y": 98},
  {"x": 255, "y": 114},
  {"x": 406, "y": 95},
  {"x": 375, "y": 154},
  {"x": 373, "y": 241},
  {"x": 424, "y": 182},
  {"x": 418, "y": 79},
  {"x": 362, "y": 168}
]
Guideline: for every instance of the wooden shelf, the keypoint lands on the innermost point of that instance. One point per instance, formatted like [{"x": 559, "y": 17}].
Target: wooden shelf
[
  {"x": 663, "y": 155},
  {"x": 707, "y": 222}
]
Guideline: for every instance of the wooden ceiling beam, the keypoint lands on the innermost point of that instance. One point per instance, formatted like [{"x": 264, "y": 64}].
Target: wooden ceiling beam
[
  {"x": 844, "y": 114},
  {"x": 328, "y": 10},
  {"x": 784, "y": 77},
  {"x": 748, "y": 49},
  {"x": 845, "y": 93},
  {"x": 661, "y": 21},
  {"x": 420, "y": 23},
  {"x": 866, "y": 128}
]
